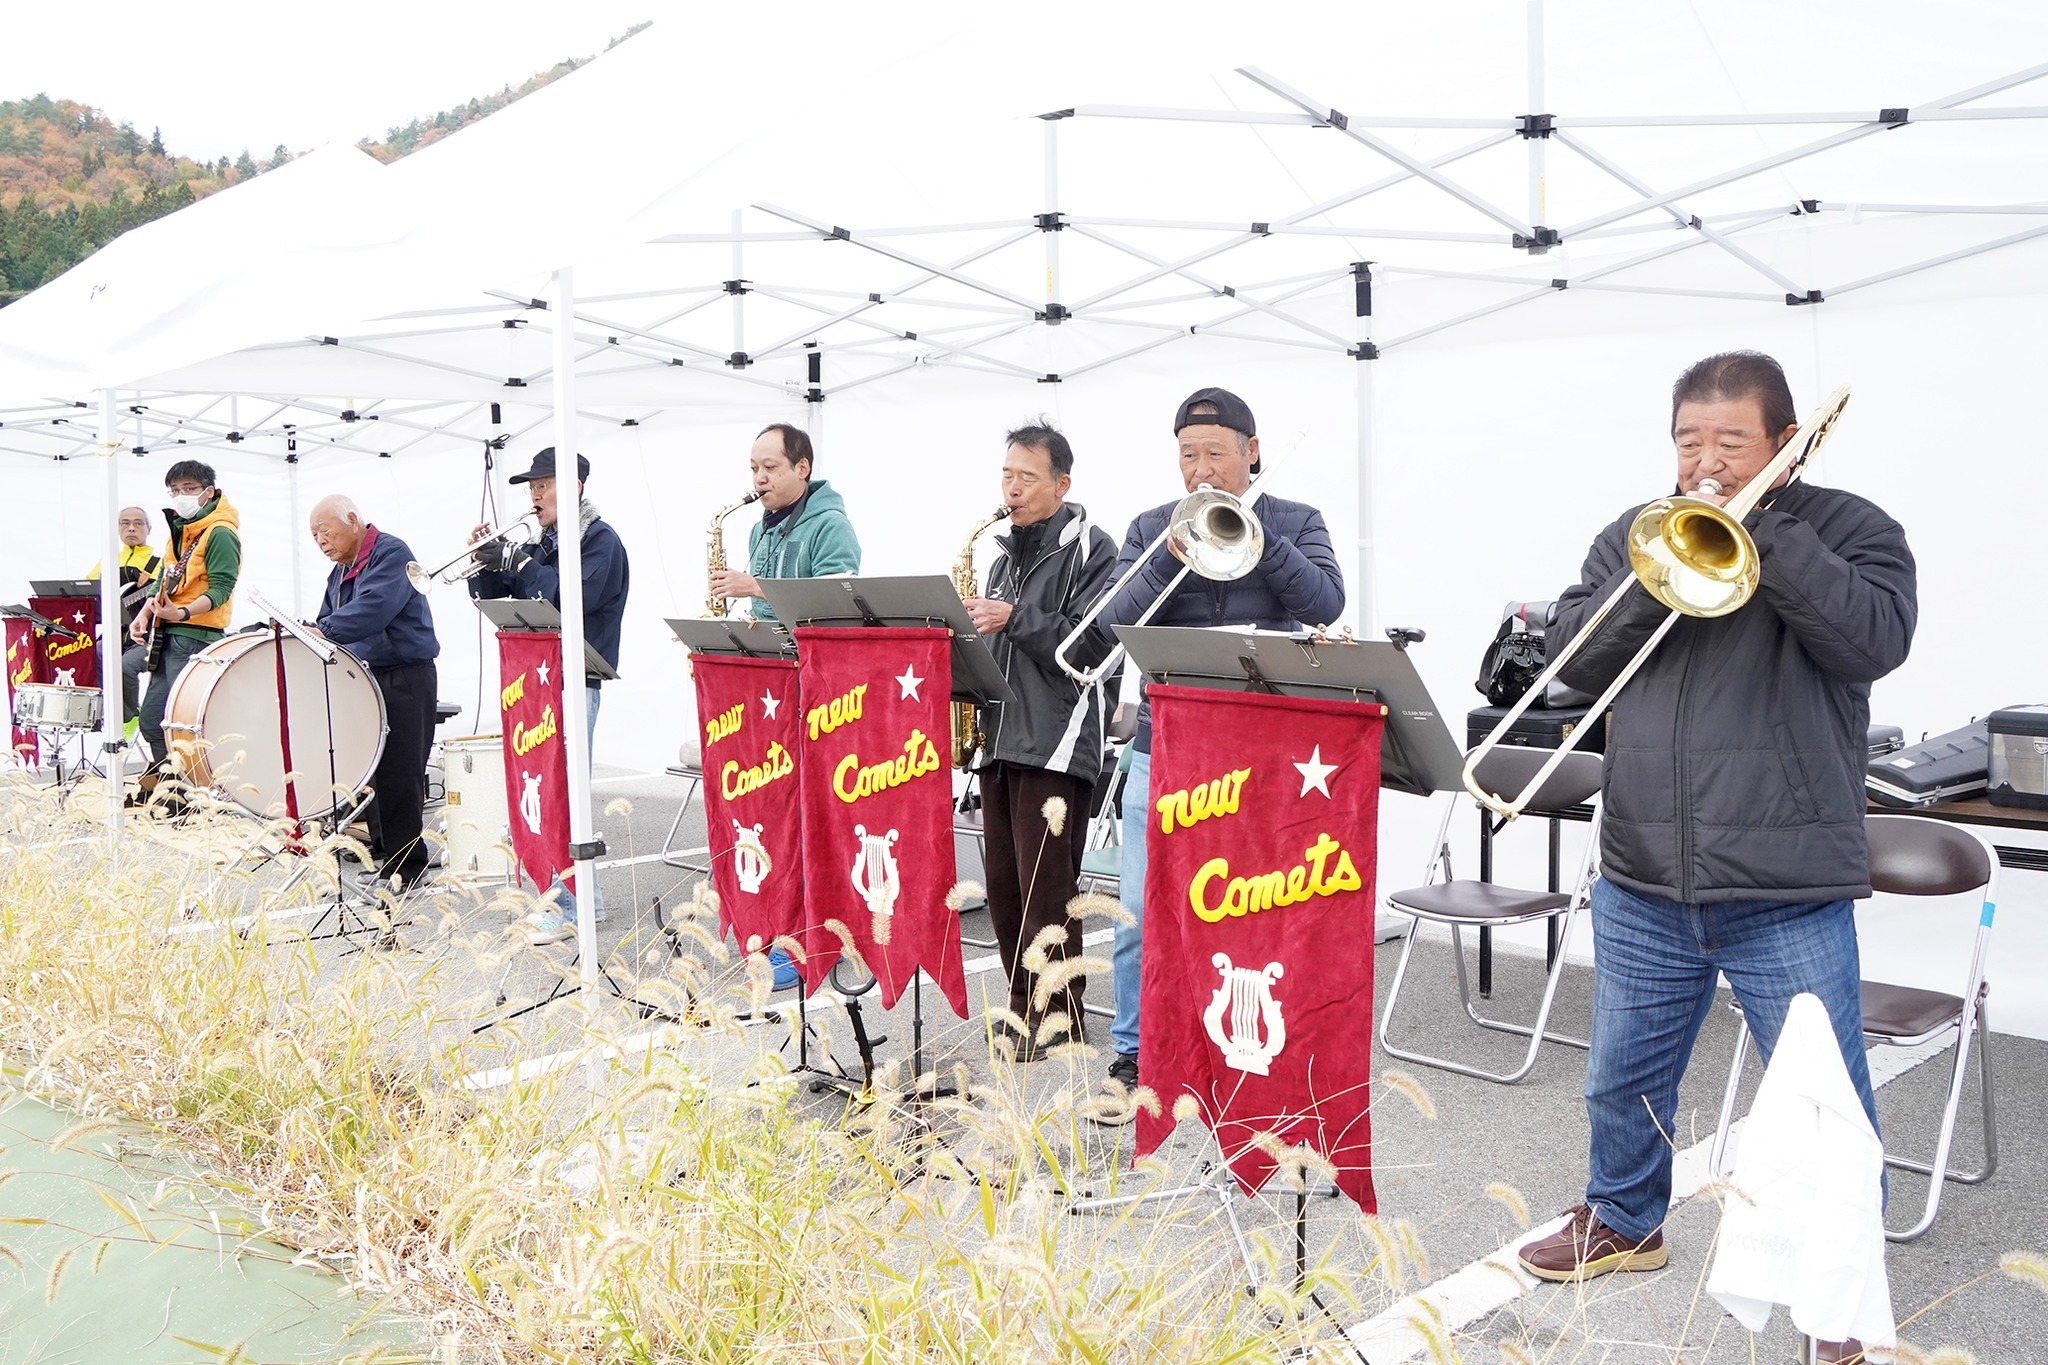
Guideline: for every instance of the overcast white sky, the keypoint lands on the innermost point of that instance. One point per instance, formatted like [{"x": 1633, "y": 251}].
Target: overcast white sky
[{"x": 221, "y": 75}]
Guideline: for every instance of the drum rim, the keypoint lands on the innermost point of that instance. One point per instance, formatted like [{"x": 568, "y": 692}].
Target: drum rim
[{"x": 231, "y": 649}]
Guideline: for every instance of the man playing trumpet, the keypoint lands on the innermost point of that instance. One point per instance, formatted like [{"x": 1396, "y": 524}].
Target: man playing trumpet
[
  {"x": 1732, "y": 839},
  {"x": 1046, "y": 745}
]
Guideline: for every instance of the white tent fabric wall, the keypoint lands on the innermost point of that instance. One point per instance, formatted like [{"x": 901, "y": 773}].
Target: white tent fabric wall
[{"x": 1502, "y": 444}]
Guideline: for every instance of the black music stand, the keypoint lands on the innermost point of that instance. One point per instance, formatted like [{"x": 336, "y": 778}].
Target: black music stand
[
  {"x": 536, "y": 614},
  {"x": 744, "y": 637},
  {"x": 1417, "y": 755},
  {"x": 928, "y": 600}
]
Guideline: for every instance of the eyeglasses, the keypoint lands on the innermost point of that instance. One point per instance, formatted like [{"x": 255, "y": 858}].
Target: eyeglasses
[{"x": 192, "y": 490}]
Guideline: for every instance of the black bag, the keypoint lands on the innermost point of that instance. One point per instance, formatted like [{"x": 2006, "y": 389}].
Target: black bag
[{"x": 1515, "y": 659}]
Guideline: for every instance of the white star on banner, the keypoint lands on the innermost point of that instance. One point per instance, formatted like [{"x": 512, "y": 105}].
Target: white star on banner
[
  {"x": 769, "y": 703},
  {"x": 909, "y": 682},
  {"x": 79, "y": 617},
  {"x": 1315, "y": 774},
  {"x": 543, "y": 671}
]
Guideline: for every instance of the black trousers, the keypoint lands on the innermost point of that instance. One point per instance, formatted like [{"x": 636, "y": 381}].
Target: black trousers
[
  {"x": 397, "y": 812},
  {"x": 1031, "y": 877}
]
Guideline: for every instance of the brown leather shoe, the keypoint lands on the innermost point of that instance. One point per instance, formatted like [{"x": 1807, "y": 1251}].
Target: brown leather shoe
[
  {"x": 1848, "y": 1352},
  {"x": 1585, "y": 1247}
]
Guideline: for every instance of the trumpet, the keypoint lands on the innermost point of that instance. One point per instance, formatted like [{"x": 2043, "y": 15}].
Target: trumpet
[
  {"x": 714, "y": 555},
  {"x": 967, "y": 735},
  {"x": 524, "y": 531},
  {"x": 1690, "y": 555}
]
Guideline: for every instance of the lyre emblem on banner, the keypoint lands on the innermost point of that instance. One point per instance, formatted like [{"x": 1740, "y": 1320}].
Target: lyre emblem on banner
[
  {"x": 1246, "y": 995},
  {"x": 750, "y": 858},
  {"x": 529, "y": 802},
  {"x": 874, "y": 873}
]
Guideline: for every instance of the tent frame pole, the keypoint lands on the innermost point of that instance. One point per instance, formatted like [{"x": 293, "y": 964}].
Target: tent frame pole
[
  {"x": 112, "y": 720},
  {"x": 569, "y": 561}
]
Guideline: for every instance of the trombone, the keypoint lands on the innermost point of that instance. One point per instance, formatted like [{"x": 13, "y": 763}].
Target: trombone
[
  {"x": 1211, "y": 532},
  {"x": 524, "y": 531},
  {"x": 1695, "y": 558}
]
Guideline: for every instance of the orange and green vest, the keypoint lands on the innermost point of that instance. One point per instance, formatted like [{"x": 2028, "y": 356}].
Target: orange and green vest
[{"x": 215, "y": 541}]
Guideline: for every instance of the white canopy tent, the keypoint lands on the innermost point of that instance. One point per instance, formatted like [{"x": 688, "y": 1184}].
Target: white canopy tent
[{"x": 1386, "y": 284}]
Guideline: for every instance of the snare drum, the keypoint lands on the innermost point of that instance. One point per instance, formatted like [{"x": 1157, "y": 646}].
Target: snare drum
[
  {"x": 479, "y": 825},
  {"x": 221, "y": 723},
  {"x": 46, "y": 706}
]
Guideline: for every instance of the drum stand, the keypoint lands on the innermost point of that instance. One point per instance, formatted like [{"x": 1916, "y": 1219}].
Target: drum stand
[{"x": 56, "y": 747}]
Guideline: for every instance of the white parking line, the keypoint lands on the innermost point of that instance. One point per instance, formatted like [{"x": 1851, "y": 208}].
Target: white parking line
[{"x": 1491, "y": 1282}]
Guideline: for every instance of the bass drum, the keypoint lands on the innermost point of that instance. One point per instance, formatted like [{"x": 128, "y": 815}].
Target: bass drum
[
  {"x": 221, "y": 723},
  {"x": 478, "y": 825}
]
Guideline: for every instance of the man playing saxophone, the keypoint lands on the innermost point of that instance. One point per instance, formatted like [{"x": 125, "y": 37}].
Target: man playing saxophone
[
  {"x": 1046, "y": 745},
  {"x": 803, "y": 532}
]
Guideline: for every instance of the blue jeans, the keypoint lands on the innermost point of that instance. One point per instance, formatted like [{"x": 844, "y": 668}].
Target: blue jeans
[
  {"x": 566, "y": 899},
  {"x": 1126, "y": 955},
  {"x": 1654, "y": 962}
]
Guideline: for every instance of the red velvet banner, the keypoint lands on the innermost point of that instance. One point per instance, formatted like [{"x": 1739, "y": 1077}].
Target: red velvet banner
[
  {"x": 74, "y": 662},
  {"x": 878, "y": 803},
  {"x": 1257, "y": 997},
  {"x": 24, "y": 665},
  {"x": 536, "y": 768},
  {"x": 753, "y": 809}
]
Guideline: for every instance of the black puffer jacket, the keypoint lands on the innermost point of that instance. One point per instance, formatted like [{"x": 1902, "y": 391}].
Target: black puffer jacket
[
  {"x": 1054, "y": 723},
  {"x": 1297, "y": 583},
  {"x": 1735, "y": 758}
]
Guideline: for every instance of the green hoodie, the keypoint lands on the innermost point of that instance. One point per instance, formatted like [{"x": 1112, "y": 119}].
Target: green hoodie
[{"x": 817, "y": 542}]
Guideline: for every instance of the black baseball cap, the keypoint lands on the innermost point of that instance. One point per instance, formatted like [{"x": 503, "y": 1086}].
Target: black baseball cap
[
  {"x": 544, "y": 468},
  {"x": 1230, "y": 411}
]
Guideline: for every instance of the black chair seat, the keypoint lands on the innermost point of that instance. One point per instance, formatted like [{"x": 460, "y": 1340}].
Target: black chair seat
[
  {"x": 445, "y": 711},
  {"x": 1906, "y": 1012},
  {"x": 685, "y": 770},
  {"x": 1478, "y": 902}
]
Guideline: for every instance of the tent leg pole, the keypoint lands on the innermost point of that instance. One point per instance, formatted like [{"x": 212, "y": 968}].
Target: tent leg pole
[
  {"x": 112, "y": 721},
  {"x": 569, "y": 539}
]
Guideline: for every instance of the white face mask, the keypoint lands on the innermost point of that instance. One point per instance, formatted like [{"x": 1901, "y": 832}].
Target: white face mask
[{"x": 186, "y": 505}]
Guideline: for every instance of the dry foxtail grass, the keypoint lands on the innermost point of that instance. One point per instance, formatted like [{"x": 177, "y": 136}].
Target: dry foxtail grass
[{"x": 652, "y": 1204}]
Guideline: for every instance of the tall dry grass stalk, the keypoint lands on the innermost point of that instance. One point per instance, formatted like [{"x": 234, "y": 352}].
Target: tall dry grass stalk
[{"x": 659, "y": 1203}]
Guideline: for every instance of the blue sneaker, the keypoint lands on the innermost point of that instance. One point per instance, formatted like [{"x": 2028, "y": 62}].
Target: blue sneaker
[
  {"x": 786, "y": 975},
  {"x": 547, "y": 927}
]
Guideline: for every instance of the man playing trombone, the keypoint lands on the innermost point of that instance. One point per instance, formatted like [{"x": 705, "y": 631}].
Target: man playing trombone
[
  {"x": 1296, "y": 581},
  {"x": 1732, "y": 838}
]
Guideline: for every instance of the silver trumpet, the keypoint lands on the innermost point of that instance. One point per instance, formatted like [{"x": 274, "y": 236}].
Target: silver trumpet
[{"x": 524, "y": 531}]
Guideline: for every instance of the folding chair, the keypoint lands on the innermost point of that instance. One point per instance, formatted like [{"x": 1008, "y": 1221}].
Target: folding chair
[
  {"x": 689, "y": 766},
  {"x": 969, "y": 824},
  {"x": 1913, "y": 855},
  {"x": 1478, "y": 904}
]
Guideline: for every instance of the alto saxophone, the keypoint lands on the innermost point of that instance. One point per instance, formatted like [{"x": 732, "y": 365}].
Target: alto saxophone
[
  {"x": 967, "y": 736},
  {"x": 714, "y": 557}
]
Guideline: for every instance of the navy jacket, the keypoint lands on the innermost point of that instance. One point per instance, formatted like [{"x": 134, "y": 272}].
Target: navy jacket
[
  {"x": 372, "y": 610},
  {"x": 1736, "y": 757},
  {"x": 1298, "y": 582},
  {"x": 606, "y": 578}
]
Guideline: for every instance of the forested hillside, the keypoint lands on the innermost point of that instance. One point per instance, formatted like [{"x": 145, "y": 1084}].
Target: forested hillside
[{"x": 72, "y": 180}]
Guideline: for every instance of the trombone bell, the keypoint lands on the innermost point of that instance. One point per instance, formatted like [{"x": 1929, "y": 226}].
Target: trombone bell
[
  {"x": 1215, "y": 534},
  {"x": 1693, "y": 557}
]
